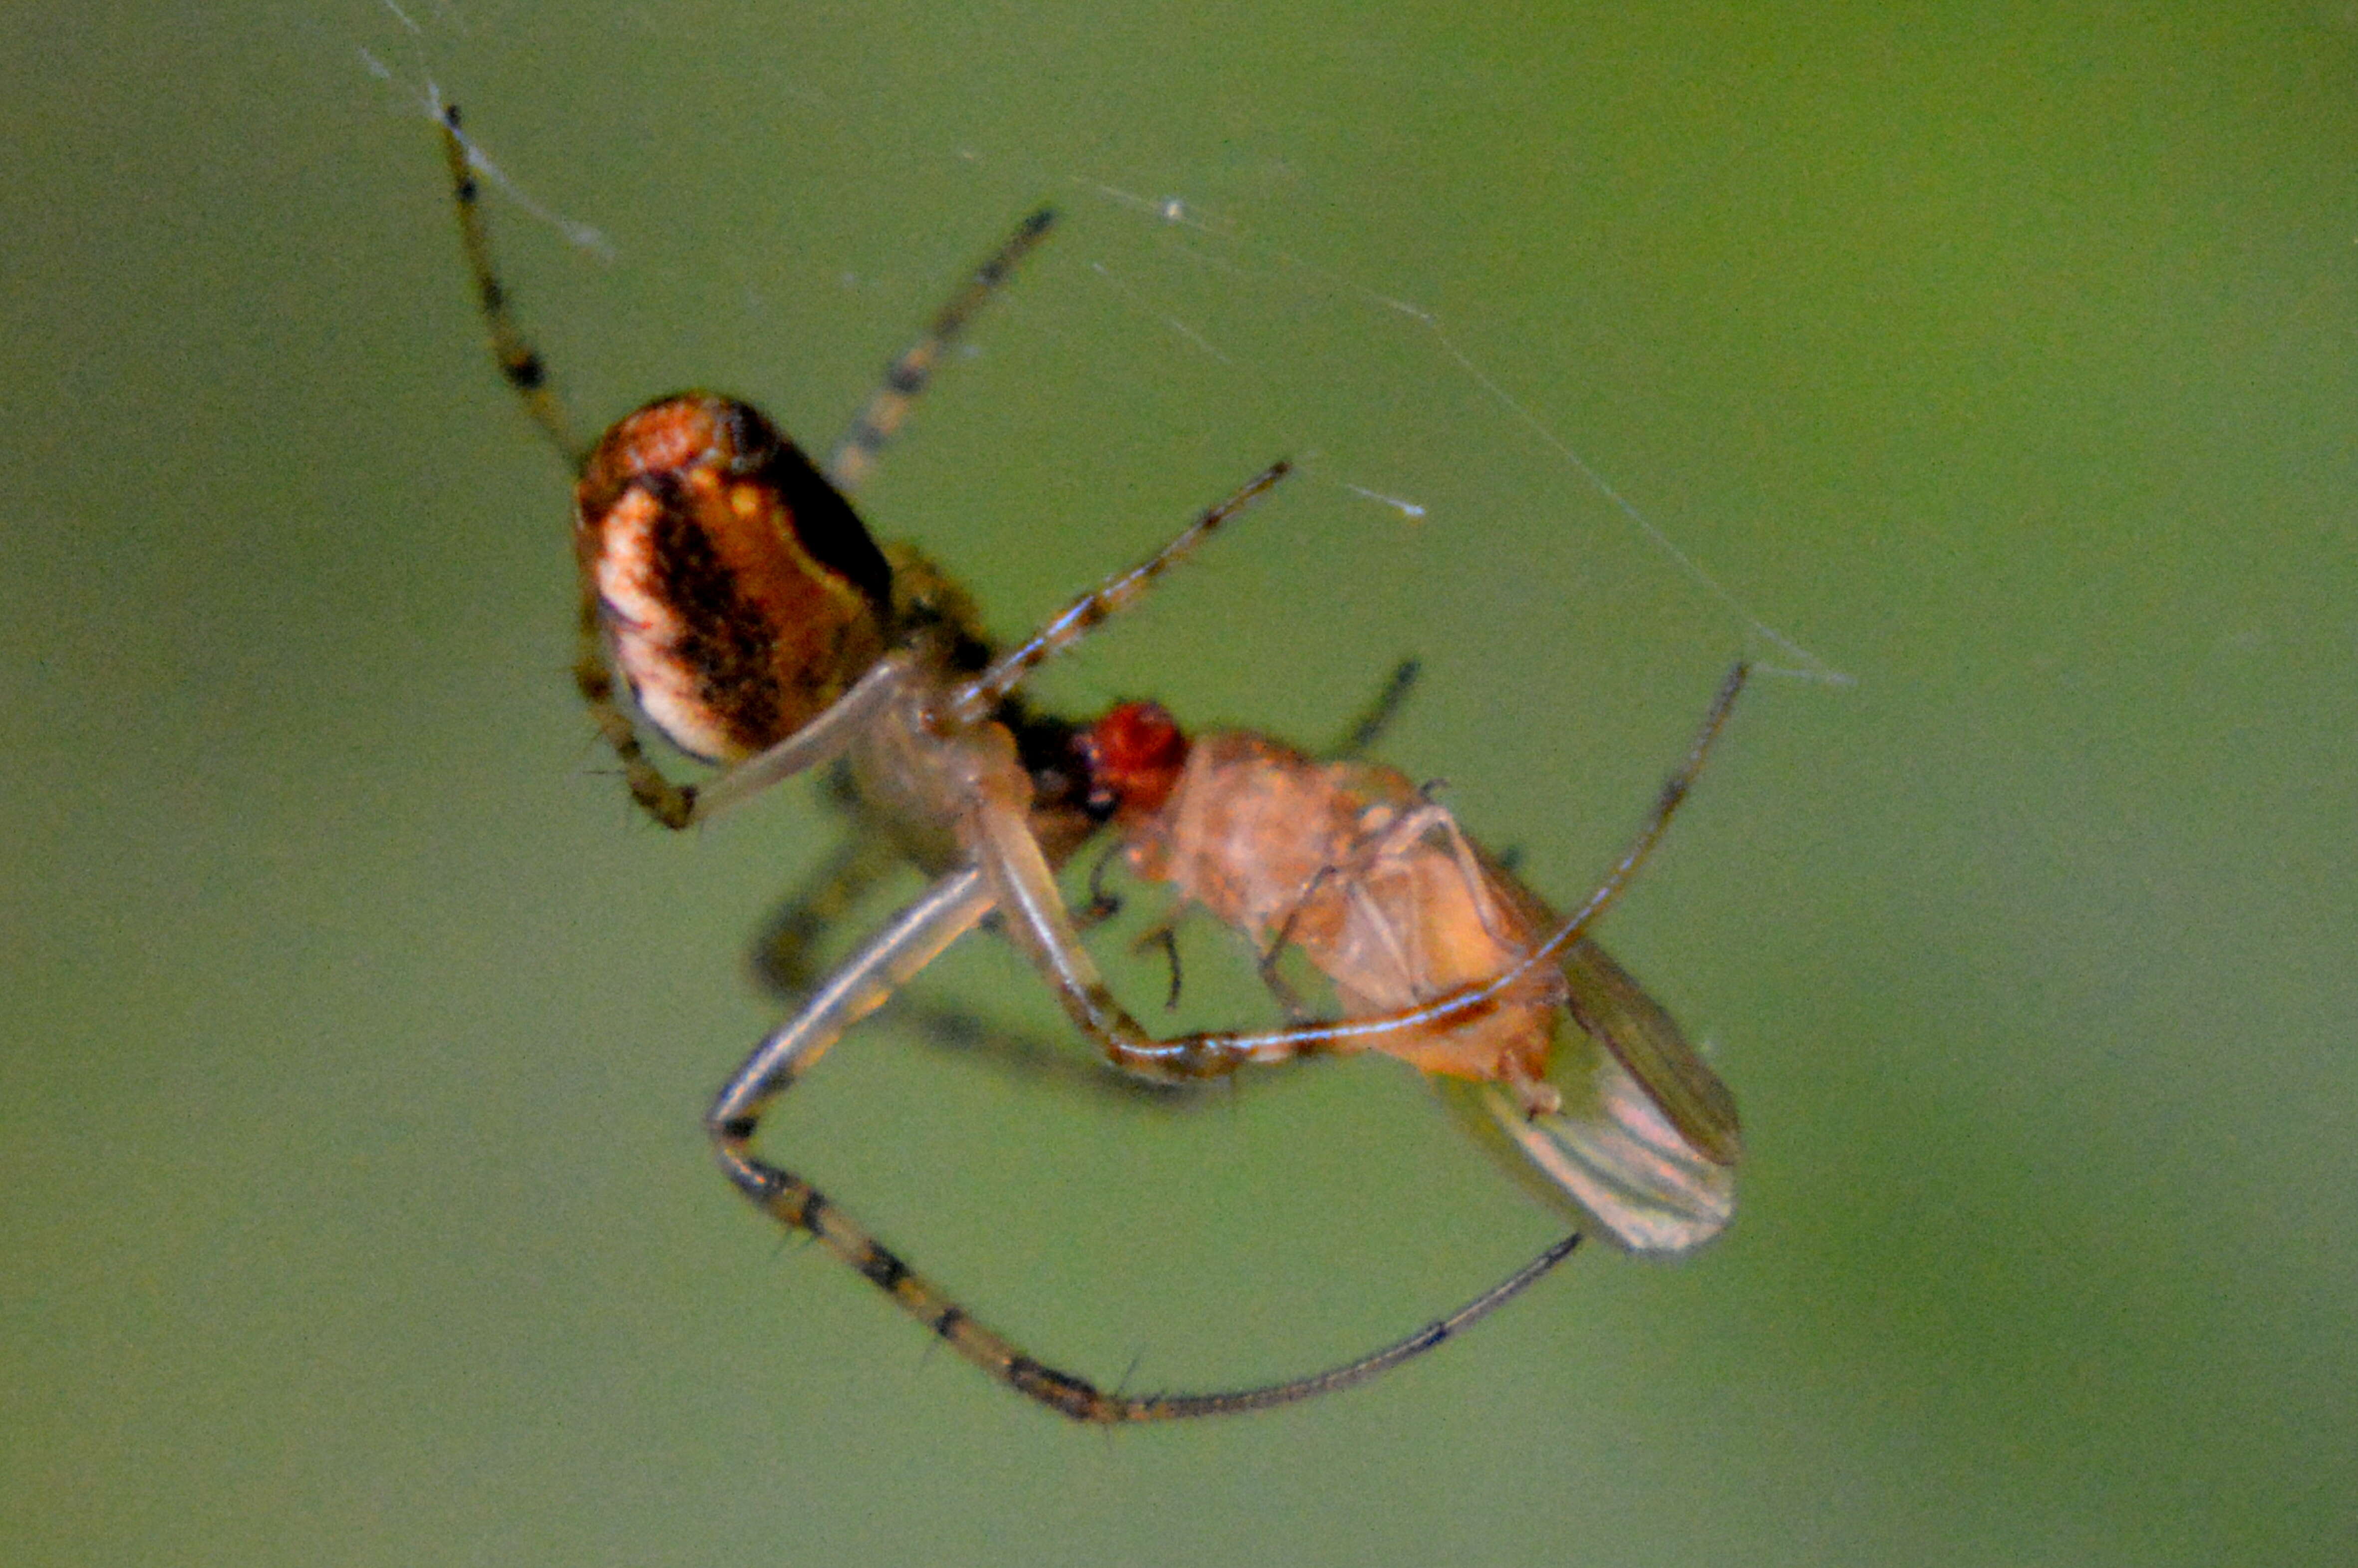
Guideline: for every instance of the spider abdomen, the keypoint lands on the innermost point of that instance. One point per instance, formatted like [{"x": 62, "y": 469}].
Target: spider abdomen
[{"x": 740, "y": 592}]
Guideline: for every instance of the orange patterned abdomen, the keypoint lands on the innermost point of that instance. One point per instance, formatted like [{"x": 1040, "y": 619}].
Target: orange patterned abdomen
[{"x": 740, "y": 593}]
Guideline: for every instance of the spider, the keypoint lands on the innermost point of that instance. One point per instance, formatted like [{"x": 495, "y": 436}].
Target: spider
[
  {"x": 1374, "y": 883},
  {"x": 731, "y": 586}
]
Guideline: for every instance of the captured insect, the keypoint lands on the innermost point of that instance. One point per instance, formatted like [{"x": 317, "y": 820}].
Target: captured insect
[
  {"x": 1439, "y": 955},
  {"x": 729, "y": 589}
]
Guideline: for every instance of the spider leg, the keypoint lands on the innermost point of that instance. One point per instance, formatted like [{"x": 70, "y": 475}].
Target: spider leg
[
  {"x": 675, "y": 806},
  {"x": 1472, "y": 1000},
  {"x": 520, "y": 364},
  {"x": 526, "y": 374},
  {"x": 672, "y": 804},
  {"x": 1032, "y": 910},
  {"x": 1035, "y": 916},
  {"x": 854, "y": 458},
  {"x": 1168, "y": 1407},
  {"x": 1674, "y": 794},
  {"x": 914, "y": 938},
  {"x": 784, "y": 954},
  {"x": 678, "y": 805},
  {"x": 822, "y": 740},
  {"x": 784, "y": 960},
  {"x": 946, "y": 911},
  {"x": 981, "y": 697}
]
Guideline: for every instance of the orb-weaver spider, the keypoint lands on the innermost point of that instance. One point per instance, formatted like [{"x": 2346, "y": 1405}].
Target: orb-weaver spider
[{"x": 754, "y": 621}]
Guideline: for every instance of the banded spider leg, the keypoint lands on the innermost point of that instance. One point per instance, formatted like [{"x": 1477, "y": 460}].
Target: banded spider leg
[
  {"x": 739, "y": 598},
  {"x": 952, "y": 747},
  {"x": 725, "y": 581}
]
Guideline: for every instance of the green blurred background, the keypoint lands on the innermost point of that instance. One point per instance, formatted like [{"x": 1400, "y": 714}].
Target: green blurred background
[{"x": 2001, "y": 357}]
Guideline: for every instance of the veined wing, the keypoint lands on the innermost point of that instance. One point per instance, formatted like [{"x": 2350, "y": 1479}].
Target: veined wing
[
  {"x": 1646, "y": 1142},
  {"x": 1612, "y": 1008}
]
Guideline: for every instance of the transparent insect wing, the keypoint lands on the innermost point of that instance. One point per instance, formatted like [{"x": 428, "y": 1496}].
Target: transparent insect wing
[
  {"x": 1625, "y": 1167},
  {"x": 730, "y": 588},
  {"x": 1614, "y": 1151},
  {"x": 1612, "y": 1007}
]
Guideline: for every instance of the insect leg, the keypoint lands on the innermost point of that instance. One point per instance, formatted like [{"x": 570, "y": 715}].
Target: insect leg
[
  {"x": 1472, "y": 1000},
  {"x": 1273, "y": 980},
  {"x": 1364, "y": 731},
  {"x": 1378, "y": 716}
]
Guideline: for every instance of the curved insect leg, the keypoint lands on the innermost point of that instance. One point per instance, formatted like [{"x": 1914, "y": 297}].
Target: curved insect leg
[
  {"x": 1364, "y": 731},
  {"x": 1273, "y": 980},
  {"x": 1162, "y": 937},
  {"x": 1355, "y": 873},
  {"x": 520, "y": 364},
  {"x": 854, "y": 458},
  {"x": 914, "y": 938}
]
